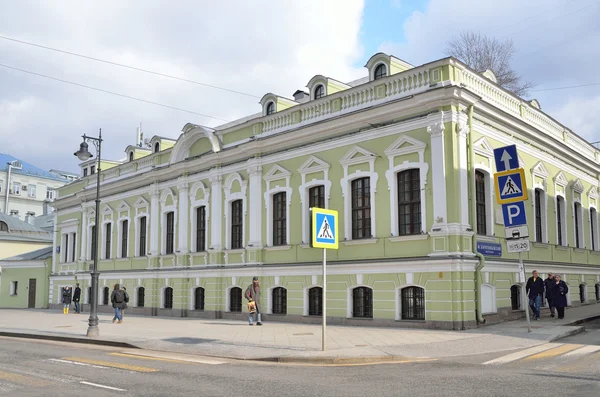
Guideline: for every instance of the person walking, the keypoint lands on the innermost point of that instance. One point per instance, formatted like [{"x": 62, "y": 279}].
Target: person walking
[
  {"x": 548, "y": 285},
  {"x": 117, "y": 298},
  {"x": 77, "y": 298},
  {"x": 66, "y": 299},
  {"x": 253, "y": 295},
  {"x": 125, "y": 302},
  {"x": 535, "y": 289},
  {"x": 559, "y": 296}
]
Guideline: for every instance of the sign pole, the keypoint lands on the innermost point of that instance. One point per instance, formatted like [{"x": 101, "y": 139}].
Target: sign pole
[
  {"x": 524, "y": 300},
  {"x": 324, "y": 314}
]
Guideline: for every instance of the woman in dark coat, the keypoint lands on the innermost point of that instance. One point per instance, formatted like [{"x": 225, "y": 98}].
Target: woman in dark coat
[{"x": 559, "y": 296}]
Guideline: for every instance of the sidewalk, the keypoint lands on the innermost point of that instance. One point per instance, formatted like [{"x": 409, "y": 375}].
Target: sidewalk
[{"x": 287, "y": 342}]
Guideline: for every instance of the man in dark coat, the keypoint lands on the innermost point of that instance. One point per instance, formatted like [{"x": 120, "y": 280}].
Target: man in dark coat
[
  {"x": 253, "y": 294},
  {"x": 77, "y": 298},
  {"x": 559, "y": 296},
  {"x": 548, "y": 284},
  {"x": 117, "y": 298},
  {"x": 535, "y": 290},
  {"x": 66, "y": 299}
]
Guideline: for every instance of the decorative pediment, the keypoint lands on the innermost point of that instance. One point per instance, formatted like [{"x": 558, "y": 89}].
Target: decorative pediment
[
  {"x": 521, "y": 162},
  {"x": 483, "y": 147},
  {"x": 577, "y": 186},
  {"x": 123, "y": 206},
  {"x": 357, "y": 155},
  {"x": 313, "y": 164},
  {"x": 107, "y": 210},
  {"x": 560, "y": 179},
  {"x": 141, "y": 202},
  {"x": 277, "y": 172},
  {"x": 593, "y": 192},
  {"x": 405, "y": 145},
  {"x": 540, "y": 170},
  {"x": 166, "y": 193}
]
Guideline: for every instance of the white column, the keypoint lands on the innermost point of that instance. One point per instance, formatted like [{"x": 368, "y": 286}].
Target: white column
[
  {"x": 154, "y": 220},
  {"x": 54, "y": 242},
  {"x": 438, "y": 169},
  {"x": 463, "y": 132},
  {"x": 216, "y": 216},
  {"x": 84, "y": 226},
  {"x": 256, "y": 208},
  {"x": 184, "y": 209}
]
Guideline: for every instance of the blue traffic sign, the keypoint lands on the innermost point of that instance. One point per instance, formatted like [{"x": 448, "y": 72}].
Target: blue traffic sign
[
  {"x": 506, "y": 158},
  {"x": 489, "y": 249},
  {"x": 514, "y": 214},
  {"x": 324, "y": 228},
  {"x": 510, "y": 186}
]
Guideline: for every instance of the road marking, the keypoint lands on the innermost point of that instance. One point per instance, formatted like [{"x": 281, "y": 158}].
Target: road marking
[
  {"x": 56, "y": 360},
  {"x": 102, "y": 386},
  {"x": 523, "y": 353},
  {"x": 23, "y": 380},
  {"x": 109, "y": 364},
  {"x": 557, "y": 351},
  {"x": 168, "y": 358},
  {"x": 583, "y": 351}
]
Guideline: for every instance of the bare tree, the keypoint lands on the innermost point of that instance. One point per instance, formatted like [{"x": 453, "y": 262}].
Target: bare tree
[{"x": 482, "y": 53}]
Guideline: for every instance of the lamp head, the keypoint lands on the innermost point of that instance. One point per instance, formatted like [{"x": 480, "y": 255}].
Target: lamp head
[{"x": 83, "y": 153}]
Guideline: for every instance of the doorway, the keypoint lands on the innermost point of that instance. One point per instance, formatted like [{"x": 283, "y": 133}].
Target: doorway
[{"x": 32, "y": 291}]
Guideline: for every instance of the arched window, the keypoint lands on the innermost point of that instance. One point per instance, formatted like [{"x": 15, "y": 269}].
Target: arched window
[
  {"x": 157, "y": 147},
  {"x": 380, "y": 71},
  {"x": 279, "y": 300},
  {"x": 409, "y": 202},
  {"x": 105, "y": 295},
  {"x": 598, "y": 292},
  {"x": 362, "y": 302},
  {"x": 315, "y": 301},
  {"x": 235, "y": 300},
  {"x": 270, "y": 108},
  {"x": 3, "y": 227},
  {"x": 412, "y": 302},
  {"x": 168, "y": 298},
  {"x": 130, "y": 156},
  {"x": 515, "y": 297},
  {"x": 361, "y": 208},
  {"x": 582, "y": 293},
  {"x": 199, "y": 299},
  {"x": 480, "y": 203},
  {"x": 319, "y": 91},
  {"x": 141, "y": 296}
]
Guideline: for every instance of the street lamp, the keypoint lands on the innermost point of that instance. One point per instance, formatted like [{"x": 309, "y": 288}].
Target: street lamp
[{"x": 83, "y": 154}]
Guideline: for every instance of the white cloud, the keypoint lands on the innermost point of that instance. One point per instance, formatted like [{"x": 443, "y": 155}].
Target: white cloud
[{"x": 581, "y": 116}]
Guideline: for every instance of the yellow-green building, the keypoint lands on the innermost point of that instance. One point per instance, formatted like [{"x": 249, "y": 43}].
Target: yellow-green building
[{"x": 406, "y": 157}]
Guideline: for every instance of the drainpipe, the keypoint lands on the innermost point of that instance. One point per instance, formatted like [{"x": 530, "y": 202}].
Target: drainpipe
[
  {"x": 7, "y": 188},
  {"x": 473, "y": 211}
]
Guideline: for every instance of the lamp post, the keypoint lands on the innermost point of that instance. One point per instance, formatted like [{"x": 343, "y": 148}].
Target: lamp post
[{"x": 83, "y": 154}]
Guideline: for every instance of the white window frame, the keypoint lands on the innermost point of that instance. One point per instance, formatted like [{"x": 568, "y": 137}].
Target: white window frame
[
  {"x": 376, "y": 65},
  {"x": 16, "y": 188},
  {"x": 270, "y": 298},
  {"x": 32, "y": 190},
  {"x": 195, "y": 204},
  {"x": 50, "y": 194},
  {"x": 350, "y": 299},
  {"x": 311, "y": 166},
  {"x": 135, "y": 297},
  {"x": 306, "y": 294},
  {"x": 399, "y": 301},
  {"x": 228, "y": 298},
  {"x": 490, "y": 199},
  {"x": 393, "y": 151},
  {"x": 540, "y": 171},
  {"x": 165, "y": 209},
  {"x": 124, "y": 214},
  {"x": 560, "y": 184},
  {"x": 141, "y": 210},
  {"x": 593, "y": 218},
  {"x": 162, "y": 295},
  {"x": 577, "y": 189},
  {"x": 277, "y": 173},
  {"x": 229, "y": 198},
  {"x": 104, "y": 234},
  {"x": 346, "y": 182},
  {"x": 91, "y": 223}
]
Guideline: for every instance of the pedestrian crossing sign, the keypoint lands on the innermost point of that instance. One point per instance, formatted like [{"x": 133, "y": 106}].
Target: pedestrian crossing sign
[
  {"x": 510, "y": 186},
  {"x": 324, "y": 228}
]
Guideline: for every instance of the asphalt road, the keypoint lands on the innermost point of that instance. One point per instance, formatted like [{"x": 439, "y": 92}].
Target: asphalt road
[
  {"x": 591, "y": 336},
  {"x": 36, "y": 368}
]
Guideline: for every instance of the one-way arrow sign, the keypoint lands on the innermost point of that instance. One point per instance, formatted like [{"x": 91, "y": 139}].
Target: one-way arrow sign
[{"x": 506, "y": 158}]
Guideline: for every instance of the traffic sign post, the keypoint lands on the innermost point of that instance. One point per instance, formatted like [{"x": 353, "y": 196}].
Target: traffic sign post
[
  {"x": 511, "y": 192},
  {"x": 324, "y": 234}
]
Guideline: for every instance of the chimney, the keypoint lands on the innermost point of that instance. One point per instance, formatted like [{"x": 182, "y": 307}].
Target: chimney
[
  {"x": 139, "y": 136},
  {"x": 46, "y": 207},
  {"x": 29, "y": 218},
  {"x": 301, "y": 96}
]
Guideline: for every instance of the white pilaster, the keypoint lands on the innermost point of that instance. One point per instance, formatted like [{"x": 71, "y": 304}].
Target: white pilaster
[
  {"x": 463, "y": 132},
  {"x": 54, "y": 243},
  {"x": 216, "y": 219},
  {"x": 255, "y": 174},
  {"x": 436, "y": 131},
  {"x": 184, "y": 208},
  {"x": 154, "y": 218}
]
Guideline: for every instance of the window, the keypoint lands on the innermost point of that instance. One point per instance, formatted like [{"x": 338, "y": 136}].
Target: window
[
  {"x": 319, "y": 91},
  {"x": 409, "y": 202},
  {"x": 582, "y": 293},
  {"x": 199, "y": 299},
  {"x": 141, "y": 296},
  {"x": 538, "y": 216},
  {"x": 170, "y": 232},
  {"x": 157, "y": 147},
  {"x": 578, "y": 230},
  {"x": 14, "y": 288},
  {"x": 235, "y": 300},
  {"x": 279, "y": 300},
  {"x": 1, "y": 185},
  {"x": 200, "y": 229},
  {"x": 31, "y": 191},
  {"x": 316, "y": 197},
  {"x": 361, "y": 208},
  {"x": 237, "y": 223},
  {"x": 130, "y": 156},
  {"x": 66, "y": 249},
  {"x": 560, "y": 202},
  {"x": 480, "y": 202},
  {"x": 593, "y": 228},
  {"x": 93, "y": 243},
  {"x": 85, "y": 172},
  {"x": 105, "y": 295},
  {"x": 108, "y": 241},
  {"x": 279, "y": 219},
  {"x": 73, "y": 247},
  {"x": 92, "y": 170},
  {"x": 362, "y": 306},
  {"x": 598, "y": 292},
  {"x": 3, "y": 227},
  {"x": 124, "y": 238},
  {"x": 142, "y": 242},
  {"x": 515, "y": 297},
  {"x": 412, "y": 302},
  {"x": 50, "y": 194},
  {"x": 315, "y": 301},
  {"x": 168, "y": 298},
  {"x": 270, "y": 108},
  {"x": 16, "y": 189},
  {"x": 380, "y": 71}
]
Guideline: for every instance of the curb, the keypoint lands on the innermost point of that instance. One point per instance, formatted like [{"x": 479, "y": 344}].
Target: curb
[
  {"x": 572, "y": 332},
  {"x": 69, "y": 339},
  {"x": 585, "y": 320},
  {"x": 343, "y": 360}
]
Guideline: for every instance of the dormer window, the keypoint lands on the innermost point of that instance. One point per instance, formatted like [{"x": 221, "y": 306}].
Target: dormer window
[
  {"x": 319, "y": 91},
  {"x": 130, "y": 156},
  {"x": 270, "y": 108},
  {"x": 156, "y": 147},
  {"x": 380, "y": 71}
]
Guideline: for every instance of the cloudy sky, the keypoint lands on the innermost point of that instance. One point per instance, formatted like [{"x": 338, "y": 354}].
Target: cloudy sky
[{"x": 254, "y": 47}]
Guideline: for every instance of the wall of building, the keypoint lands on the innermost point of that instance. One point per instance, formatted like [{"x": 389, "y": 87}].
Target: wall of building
[{"x": 21, "y": 272}]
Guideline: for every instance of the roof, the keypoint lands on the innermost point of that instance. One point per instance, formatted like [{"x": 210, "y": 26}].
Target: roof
[
  {"x": 45, "y": 222},
  {"x": 16, "y": 225},
  {"x": 40, "y": 254},
  {"x": 27, "y": 169},
  {"x": 64, "y": 172}
]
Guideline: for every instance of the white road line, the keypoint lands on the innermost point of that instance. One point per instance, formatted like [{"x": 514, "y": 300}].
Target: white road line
[
  {"x": 523, "y": 353},
  {"x": 175, "y": 357},
  {"x": 102, "y": 386},
  {"x": 77, "y": 363},
  {"x": 583, "y": 351}
]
